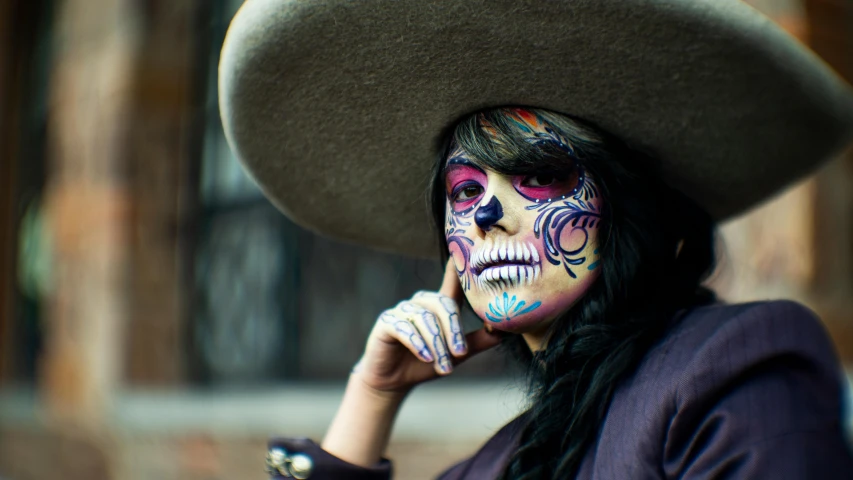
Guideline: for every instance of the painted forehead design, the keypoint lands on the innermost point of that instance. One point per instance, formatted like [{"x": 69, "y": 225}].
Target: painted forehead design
[
  {"x": 533, "y": 126},
  {"x": 528, "y": 121},
  {"x": 539, "y": 130}
]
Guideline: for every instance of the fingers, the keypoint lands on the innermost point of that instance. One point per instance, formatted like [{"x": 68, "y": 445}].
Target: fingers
[
  {"x": 445, "y": 305},
  {"x": 427, "y": 323},
  {"x": 447, "y": 312},
  {"x": 419, "y": 331},
  {"x": 406, "y": 333}
]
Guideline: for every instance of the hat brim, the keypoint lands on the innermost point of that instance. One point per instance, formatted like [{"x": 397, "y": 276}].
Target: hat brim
[{"x": 335, "y": 107}]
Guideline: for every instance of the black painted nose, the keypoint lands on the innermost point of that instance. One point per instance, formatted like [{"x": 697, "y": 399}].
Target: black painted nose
[{"x": 489, "y": 214}]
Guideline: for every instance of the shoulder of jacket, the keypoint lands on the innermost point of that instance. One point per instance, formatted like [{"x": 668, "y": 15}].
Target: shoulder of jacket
[
  {"x": 718, "y": 343},
  {"x": 759, "y": 325}
]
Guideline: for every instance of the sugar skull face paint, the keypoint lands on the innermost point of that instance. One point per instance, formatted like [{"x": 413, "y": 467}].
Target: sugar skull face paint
[{"x": 524, "y": 246}]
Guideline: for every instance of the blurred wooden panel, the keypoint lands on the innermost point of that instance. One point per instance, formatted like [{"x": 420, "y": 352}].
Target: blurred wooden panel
[
  {"x": 788, "y": 14},
  {"x": 162, "y": 150},
  {"x": 87, "y": 203},
  {"x": 19, "y": 34},
  {"x": 830, "y": 34},
  {"x": 7, "y": 173}
]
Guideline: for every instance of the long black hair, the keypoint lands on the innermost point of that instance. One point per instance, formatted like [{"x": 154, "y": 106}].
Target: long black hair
[{"x": 656, "y": 247}]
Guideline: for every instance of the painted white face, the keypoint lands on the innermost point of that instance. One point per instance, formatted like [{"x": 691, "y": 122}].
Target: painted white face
[{"x": 524, "y": 247}]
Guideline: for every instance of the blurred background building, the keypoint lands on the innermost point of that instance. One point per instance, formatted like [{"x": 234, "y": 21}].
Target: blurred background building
[{"x": 159, "y": 319}]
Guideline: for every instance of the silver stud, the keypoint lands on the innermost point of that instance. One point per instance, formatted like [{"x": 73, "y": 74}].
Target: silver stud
[
  {"x": 301, "y": 466},
  {"x": 276, "y": 461},
  {"x": 298, "y": 465}
]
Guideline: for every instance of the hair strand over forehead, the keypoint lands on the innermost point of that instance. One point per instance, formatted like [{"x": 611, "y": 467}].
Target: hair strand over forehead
[{"x": 502, "y": 140}]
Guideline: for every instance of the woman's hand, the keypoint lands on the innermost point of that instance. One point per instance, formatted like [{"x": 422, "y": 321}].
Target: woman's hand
[{"x": 420, "y": 339}]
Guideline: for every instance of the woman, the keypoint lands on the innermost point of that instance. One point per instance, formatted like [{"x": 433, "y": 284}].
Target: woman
[{"x": 580, "y": 238}]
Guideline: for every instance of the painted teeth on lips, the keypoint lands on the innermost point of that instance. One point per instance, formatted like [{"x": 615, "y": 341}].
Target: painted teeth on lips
[
  {"x": 509, "y": 253},
  {"x": 504, "y": 265}
]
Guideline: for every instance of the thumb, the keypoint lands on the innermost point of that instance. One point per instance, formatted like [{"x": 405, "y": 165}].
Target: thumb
[{"x": 450, "y": 283}]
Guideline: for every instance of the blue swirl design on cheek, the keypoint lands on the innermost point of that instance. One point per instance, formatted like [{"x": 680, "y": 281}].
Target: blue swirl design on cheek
[
  {"x": 504, "y": 309},
  {"x": 594, "y": 264},
  {"x": 578, "y": 213},
  {"x": 576, "y": 210}
]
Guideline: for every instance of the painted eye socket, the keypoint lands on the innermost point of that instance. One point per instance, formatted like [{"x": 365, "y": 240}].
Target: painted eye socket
[
  {"x": 464, "y": 184},
  {"x": 468, "y": 192},
  {"x": 548, "y": 186},
  {"x": 465, "y": 195},
  {"x": 539, "y": 181}
]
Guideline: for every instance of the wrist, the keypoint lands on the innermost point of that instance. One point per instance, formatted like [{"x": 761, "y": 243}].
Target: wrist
[
  {"x": 360, "y": 430},
  {"x": 380, "y": 399}
]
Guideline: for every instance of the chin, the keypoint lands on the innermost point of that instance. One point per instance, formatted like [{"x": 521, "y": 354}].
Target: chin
[
  {"x": 515, "y": 310},
  {"x": 525, "y": 309},
  {"x": 533, "y": 324}
]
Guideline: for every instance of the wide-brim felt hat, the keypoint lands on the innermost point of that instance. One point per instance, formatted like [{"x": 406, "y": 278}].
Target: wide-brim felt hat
[{"x": 335, "y": 107}]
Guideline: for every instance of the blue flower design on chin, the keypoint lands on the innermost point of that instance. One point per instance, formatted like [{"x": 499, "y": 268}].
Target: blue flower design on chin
[{"x": 505, "y": 308}]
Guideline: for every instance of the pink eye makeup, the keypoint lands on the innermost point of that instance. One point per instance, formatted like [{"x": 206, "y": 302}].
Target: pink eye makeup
[
  {"x": 465, "y": 185},
  {"x": 547, "y": 187}
]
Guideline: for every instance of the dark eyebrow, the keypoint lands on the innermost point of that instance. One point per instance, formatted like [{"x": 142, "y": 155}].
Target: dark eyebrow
[{"x": 461, "y": 159}]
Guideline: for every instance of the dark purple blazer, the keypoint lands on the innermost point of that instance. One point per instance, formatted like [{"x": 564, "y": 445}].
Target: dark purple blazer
[{"x": 746, "y": 391}]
